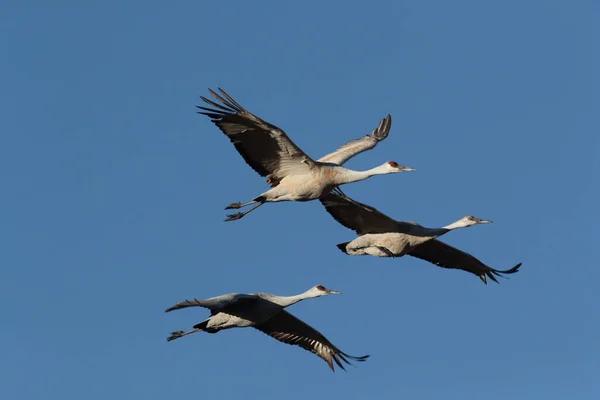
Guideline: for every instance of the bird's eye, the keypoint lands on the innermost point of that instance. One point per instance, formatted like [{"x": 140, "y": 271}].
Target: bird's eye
[
  {"x": 393, "y": 164},
  {"x": 321, "y": 288}
]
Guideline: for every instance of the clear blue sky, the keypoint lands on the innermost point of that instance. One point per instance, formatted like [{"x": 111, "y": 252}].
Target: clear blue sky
[{"x": 113, "y": 196}]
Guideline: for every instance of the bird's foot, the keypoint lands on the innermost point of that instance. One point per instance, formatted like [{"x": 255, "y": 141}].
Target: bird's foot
[
  {"x": 234, "y": 206},
  {"x": 233, "y": 217},
  {"x": 175, "y": 335}
]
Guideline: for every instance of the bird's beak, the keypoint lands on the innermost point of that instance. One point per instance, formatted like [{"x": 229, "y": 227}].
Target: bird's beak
[
  {"x": 407, "y": 169},
  {"x": 485, "y": 221},
  {"x": 329, "y": 291}
]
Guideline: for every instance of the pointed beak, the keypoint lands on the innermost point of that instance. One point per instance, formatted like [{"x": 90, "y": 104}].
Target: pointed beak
[
  {"x": 329, "y": 291},
  {"x": 485, "y": 221},
  {"x": 407, "y": 169}
]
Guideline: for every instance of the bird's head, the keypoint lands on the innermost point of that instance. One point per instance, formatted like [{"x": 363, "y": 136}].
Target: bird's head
[
  {"x": 321, "y": 290},
  {"x": 393, "y": 167},
  {"x": 469, "y": 220}
]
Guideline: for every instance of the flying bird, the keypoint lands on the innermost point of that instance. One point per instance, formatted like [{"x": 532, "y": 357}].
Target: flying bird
[
  {"x": 292, "y": 174},
  {"x": 266, "y": 313},
  {"x": 382, "y": 236}
]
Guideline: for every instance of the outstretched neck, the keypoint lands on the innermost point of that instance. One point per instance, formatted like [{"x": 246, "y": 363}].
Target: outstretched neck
[
  {"x": 455, "y": 225},
  {"x": 286, "y": 301},
  {"x": 349, "y": 176},
  {"x": 436, "y": 232}
]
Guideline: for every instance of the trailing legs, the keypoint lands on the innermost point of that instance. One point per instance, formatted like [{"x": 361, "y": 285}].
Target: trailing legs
[
  {"x": 178, "y": 334},
  {"x": 259, "y": 201}
]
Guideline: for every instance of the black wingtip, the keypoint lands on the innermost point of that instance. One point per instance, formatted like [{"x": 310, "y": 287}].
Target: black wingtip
[
  {"x": 388, "y": 118},
  {"x": 382, "y": 131},
  {"x": 495, "y": 272},
  {"x": 361, "y": 358},
  {"x": 512, "y": 270}
]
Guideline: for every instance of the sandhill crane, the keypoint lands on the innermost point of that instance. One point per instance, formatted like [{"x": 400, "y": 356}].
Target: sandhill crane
[
  {"x": 266, "y": 313},
  {"x": 382, "y": 236},
  {"x": 292, "y": 175}
]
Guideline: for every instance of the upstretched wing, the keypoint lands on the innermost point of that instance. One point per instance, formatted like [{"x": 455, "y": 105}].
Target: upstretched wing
[
  {"x": 214, "y": 303},
  {"x": 265, "y": 147},
  {"x": 359, "y": 217},
  {"x": 288, "y": 329},
  {"x": 367, "y": 142},
  {"x": 446, "y": 256}
]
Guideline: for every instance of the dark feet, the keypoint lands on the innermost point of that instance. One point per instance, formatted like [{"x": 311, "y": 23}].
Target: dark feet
[
  {"x": 175, "y": 335},
  {"x": 234, "y": 206},
  {"x": 233, "y": 217}
]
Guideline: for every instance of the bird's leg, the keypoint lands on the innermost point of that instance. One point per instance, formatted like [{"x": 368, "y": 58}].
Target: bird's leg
[
  {"x": 237, "y": 205},
  {"x": 386, "y": 251},
  {"x": 233, "y": 217},
  {"x": 178, "y": 334},
  {"x": 339, "y": 191}
]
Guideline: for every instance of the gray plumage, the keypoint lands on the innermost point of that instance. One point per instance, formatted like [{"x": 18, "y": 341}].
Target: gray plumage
[
  {"x": 357, "y": 146},
  {"x": 266, "y": 313},
  {"x": 291, "y": 173},
  {"x": 382, "y": 236}
]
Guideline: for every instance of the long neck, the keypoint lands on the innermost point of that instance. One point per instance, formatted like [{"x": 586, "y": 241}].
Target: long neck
[
  {"x": 286, "y": 301},
  {"x": 349, "y": 176},
  {"x": 455, "y": 225},
  {"x": 436, "y": 232}
]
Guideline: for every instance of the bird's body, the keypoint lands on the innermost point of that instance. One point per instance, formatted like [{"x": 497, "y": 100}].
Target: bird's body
[
  {"x": 292, "y": 175},
  {"x": 265, "y": 312},
  {"x": 236, "y": 315},
  {"x": 319, "y": 179},
  {"x": 381, "y": 236},
  {"x": 406, "y": 237},
  {"x": 391, "y": 244}
]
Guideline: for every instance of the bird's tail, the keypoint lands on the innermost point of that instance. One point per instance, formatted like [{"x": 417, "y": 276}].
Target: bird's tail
[
  {"x": 201, "y": 325},
  {"x": 500, "y": 273},
  {"x": 342, "y": 247}
]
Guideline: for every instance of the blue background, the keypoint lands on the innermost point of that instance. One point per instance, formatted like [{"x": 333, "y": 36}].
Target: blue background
[{"x": 113, "y": 192}]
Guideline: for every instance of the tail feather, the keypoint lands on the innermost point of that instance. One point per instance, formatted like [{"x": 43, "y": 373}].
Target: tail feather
[
  {"x": 201, "y": 325},
  {"x": 342, "y": 247}
]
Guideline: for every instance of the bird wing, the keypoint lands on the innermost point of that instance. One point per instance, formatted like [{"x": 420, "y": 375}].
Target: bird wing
[
  {"x": 446, "y": 256},
  {"x": 357, "y": 146},
  {"x": 264, "y": 147},
  {"x": 286, "y": 328},
  {"x": 359, "y": 217},
  {"x": 214, "y": 303}
]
